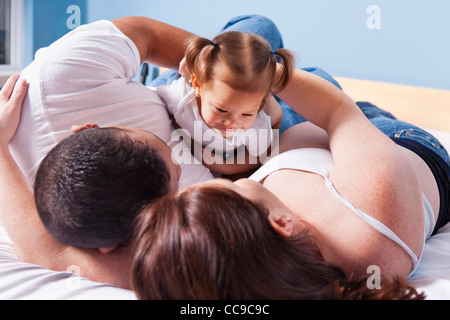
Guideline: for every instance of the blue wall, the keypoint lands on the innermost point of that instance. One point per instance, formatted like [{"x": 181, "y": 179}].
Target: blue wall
[
  {"x": 411, "y": 46},
  {"x": 46, "y": 21}
]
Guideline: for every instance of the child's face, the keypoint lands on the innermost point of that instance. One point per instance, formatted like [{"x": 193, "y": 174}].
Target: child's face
[{"x": 226, "y": 110}]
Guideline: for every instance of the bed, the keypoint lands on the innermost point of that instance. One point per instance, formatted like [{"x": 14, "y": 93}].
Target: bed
[{"x": 20, "y": 280}]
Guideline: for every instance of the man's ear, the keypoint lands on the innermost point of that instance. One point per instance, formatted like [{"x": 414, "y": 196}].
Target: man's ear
[
  {"x": 283, "y": 224},
  {"x": 78, "y": 128},
  {"x": 107, "y": 249}
]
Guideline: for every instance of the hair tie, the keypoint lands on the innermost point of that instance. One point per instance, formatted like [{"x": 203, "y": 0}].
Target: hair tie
[
  {"x": 273, "y": 52},
  {"x": 214, "y": 44}
]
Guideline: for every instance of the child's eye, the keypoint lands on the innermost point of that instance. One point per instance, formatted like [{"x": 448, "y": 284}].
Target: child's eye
[
  {"x": 247, "y": 114},
  {"x": 221, "y": 110}
]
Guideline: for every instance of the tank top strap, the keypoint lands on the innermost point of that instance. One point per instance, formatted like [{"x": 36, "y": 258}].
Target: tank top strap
[
  {"x": 320, "y": 161},
  {"x": 374, "y": 223}
]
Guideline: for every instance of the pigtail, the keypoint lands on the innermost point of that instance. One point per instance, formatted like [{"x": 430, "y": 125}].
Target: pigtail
[
  {"x": 287, "y": 61},
  {"x": 199, "y": 58}
]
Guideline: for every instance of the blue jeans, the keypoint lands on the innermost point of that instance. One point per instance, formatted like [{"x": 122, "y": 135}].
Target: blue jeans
[
  {"x": 394, "y": 128},
  {"x": 383, "y": 120}
]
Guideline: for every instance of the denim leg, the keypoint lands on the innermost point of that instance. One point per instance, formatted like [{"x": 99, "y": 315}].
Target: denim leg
[
  {"x": 167, "y": 77},
  {"x": 267, "y": 29},
  {"x": 394, "y": 128},
  {"x": 323, "y": 74},
  {"x": 371, "y": 111},
  {"x": 290, "y": 117},
  {"x": 259, "y": 25}
]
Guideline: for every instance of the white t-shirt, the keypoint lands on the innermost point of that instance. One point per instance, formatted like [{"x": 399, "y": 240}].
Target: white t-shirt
[
  {"x": 181, "y": 102},
  {"x": 86, "y": 76}
]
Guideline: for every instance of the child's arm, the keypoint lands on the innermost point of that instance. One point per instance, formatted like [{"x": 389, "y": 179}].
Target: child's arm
[{"x": 273, "y": 109}]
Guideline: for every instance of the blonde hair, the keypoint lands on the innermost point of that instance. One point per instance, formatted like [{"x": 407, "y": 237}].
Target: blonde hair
[{"x": 248, "y": 57}]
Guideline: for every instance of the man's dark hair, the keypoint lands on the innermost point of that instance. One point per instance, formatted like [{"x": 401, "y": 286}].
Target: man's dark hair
[{"x": 91, "y": 186}]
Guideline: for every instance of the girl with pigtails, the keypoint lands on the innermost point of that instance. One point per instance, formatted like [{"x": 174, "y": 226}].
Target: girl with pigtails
[{"x": 224, "y": 100}]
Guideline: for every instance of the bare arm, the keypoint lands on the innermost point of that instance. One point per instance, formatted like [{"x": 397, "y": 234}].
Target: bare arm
[
  {"x": 356, "y": 144},
  {"x": 158, "y": 43},
  {"x": 370, "y": 170},
  {"x": 351, "y": 134},
  {"x": 17, "y": 209},
  {"x": 16, "y": 195}
]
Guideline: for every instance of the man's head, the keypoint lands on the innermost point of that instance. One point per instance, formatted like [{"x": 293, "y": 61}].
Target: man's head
[{"x": 90, "y": 187}]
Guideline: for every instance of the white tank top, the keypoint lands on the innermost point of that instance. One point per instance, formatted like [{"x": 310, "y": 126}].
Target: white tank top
[{"x": 320, "y": 161}]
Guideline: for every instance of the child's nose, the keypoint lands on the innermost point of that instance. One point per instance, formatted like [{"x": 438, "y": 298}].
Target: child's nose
[{"x": 231, "y": 121}]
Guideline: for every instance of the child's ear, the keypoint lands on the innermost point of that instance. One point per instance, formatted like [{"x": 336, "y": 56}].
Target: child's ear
[{"x": 195, "y": 85}]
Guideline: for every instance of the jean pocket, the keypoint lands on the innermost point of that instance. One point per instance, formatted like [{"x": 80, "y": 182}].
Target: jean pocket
[{"x": 425, "y": 138}]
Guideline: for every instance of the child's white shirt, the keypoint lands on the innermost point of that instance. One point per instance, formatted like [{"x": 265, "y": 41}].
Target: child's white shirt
[{"x": 181, "y": 103}]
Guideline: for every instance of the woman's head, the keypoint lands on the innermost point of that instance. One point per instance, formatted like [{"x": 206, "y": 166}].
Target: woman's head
[
  {"x": 232, "y": 75},
  {"x": 212, "y": 243}
]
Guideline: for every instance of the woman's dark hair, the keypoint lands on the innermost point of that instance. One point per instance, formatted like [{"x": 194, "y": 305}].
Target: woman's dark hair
[
  {"x": 90, "y": 187},
  {"x": 211, "y": 243},
  {"x": 249, "y": 58}
]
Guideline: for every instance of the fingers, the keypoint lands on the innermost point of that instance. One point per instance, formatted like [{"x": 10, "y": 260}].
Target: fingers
[
  {"x": 11, "y": 98},
  {"x": 8, "y": 87},
  {"x": 19, "y": 92}
]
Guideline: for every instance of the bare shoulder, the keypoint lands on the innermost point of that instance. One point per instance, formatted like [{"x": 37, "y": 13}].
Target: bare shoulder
[{"x": 387, "y": 190}]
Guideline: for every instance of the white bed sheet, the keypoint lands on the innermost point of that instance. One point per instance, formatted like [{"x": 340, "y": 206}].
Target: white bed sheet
[
  {"x": 433, "y": 273},
  {"x": 24, "y": 281},
  {"x": 20, "y": 280}
]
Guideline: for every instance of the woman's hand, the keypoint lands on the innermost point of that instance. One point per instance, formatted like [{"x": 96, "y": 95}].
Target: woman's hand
[{"x": 11, "y": 99}]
